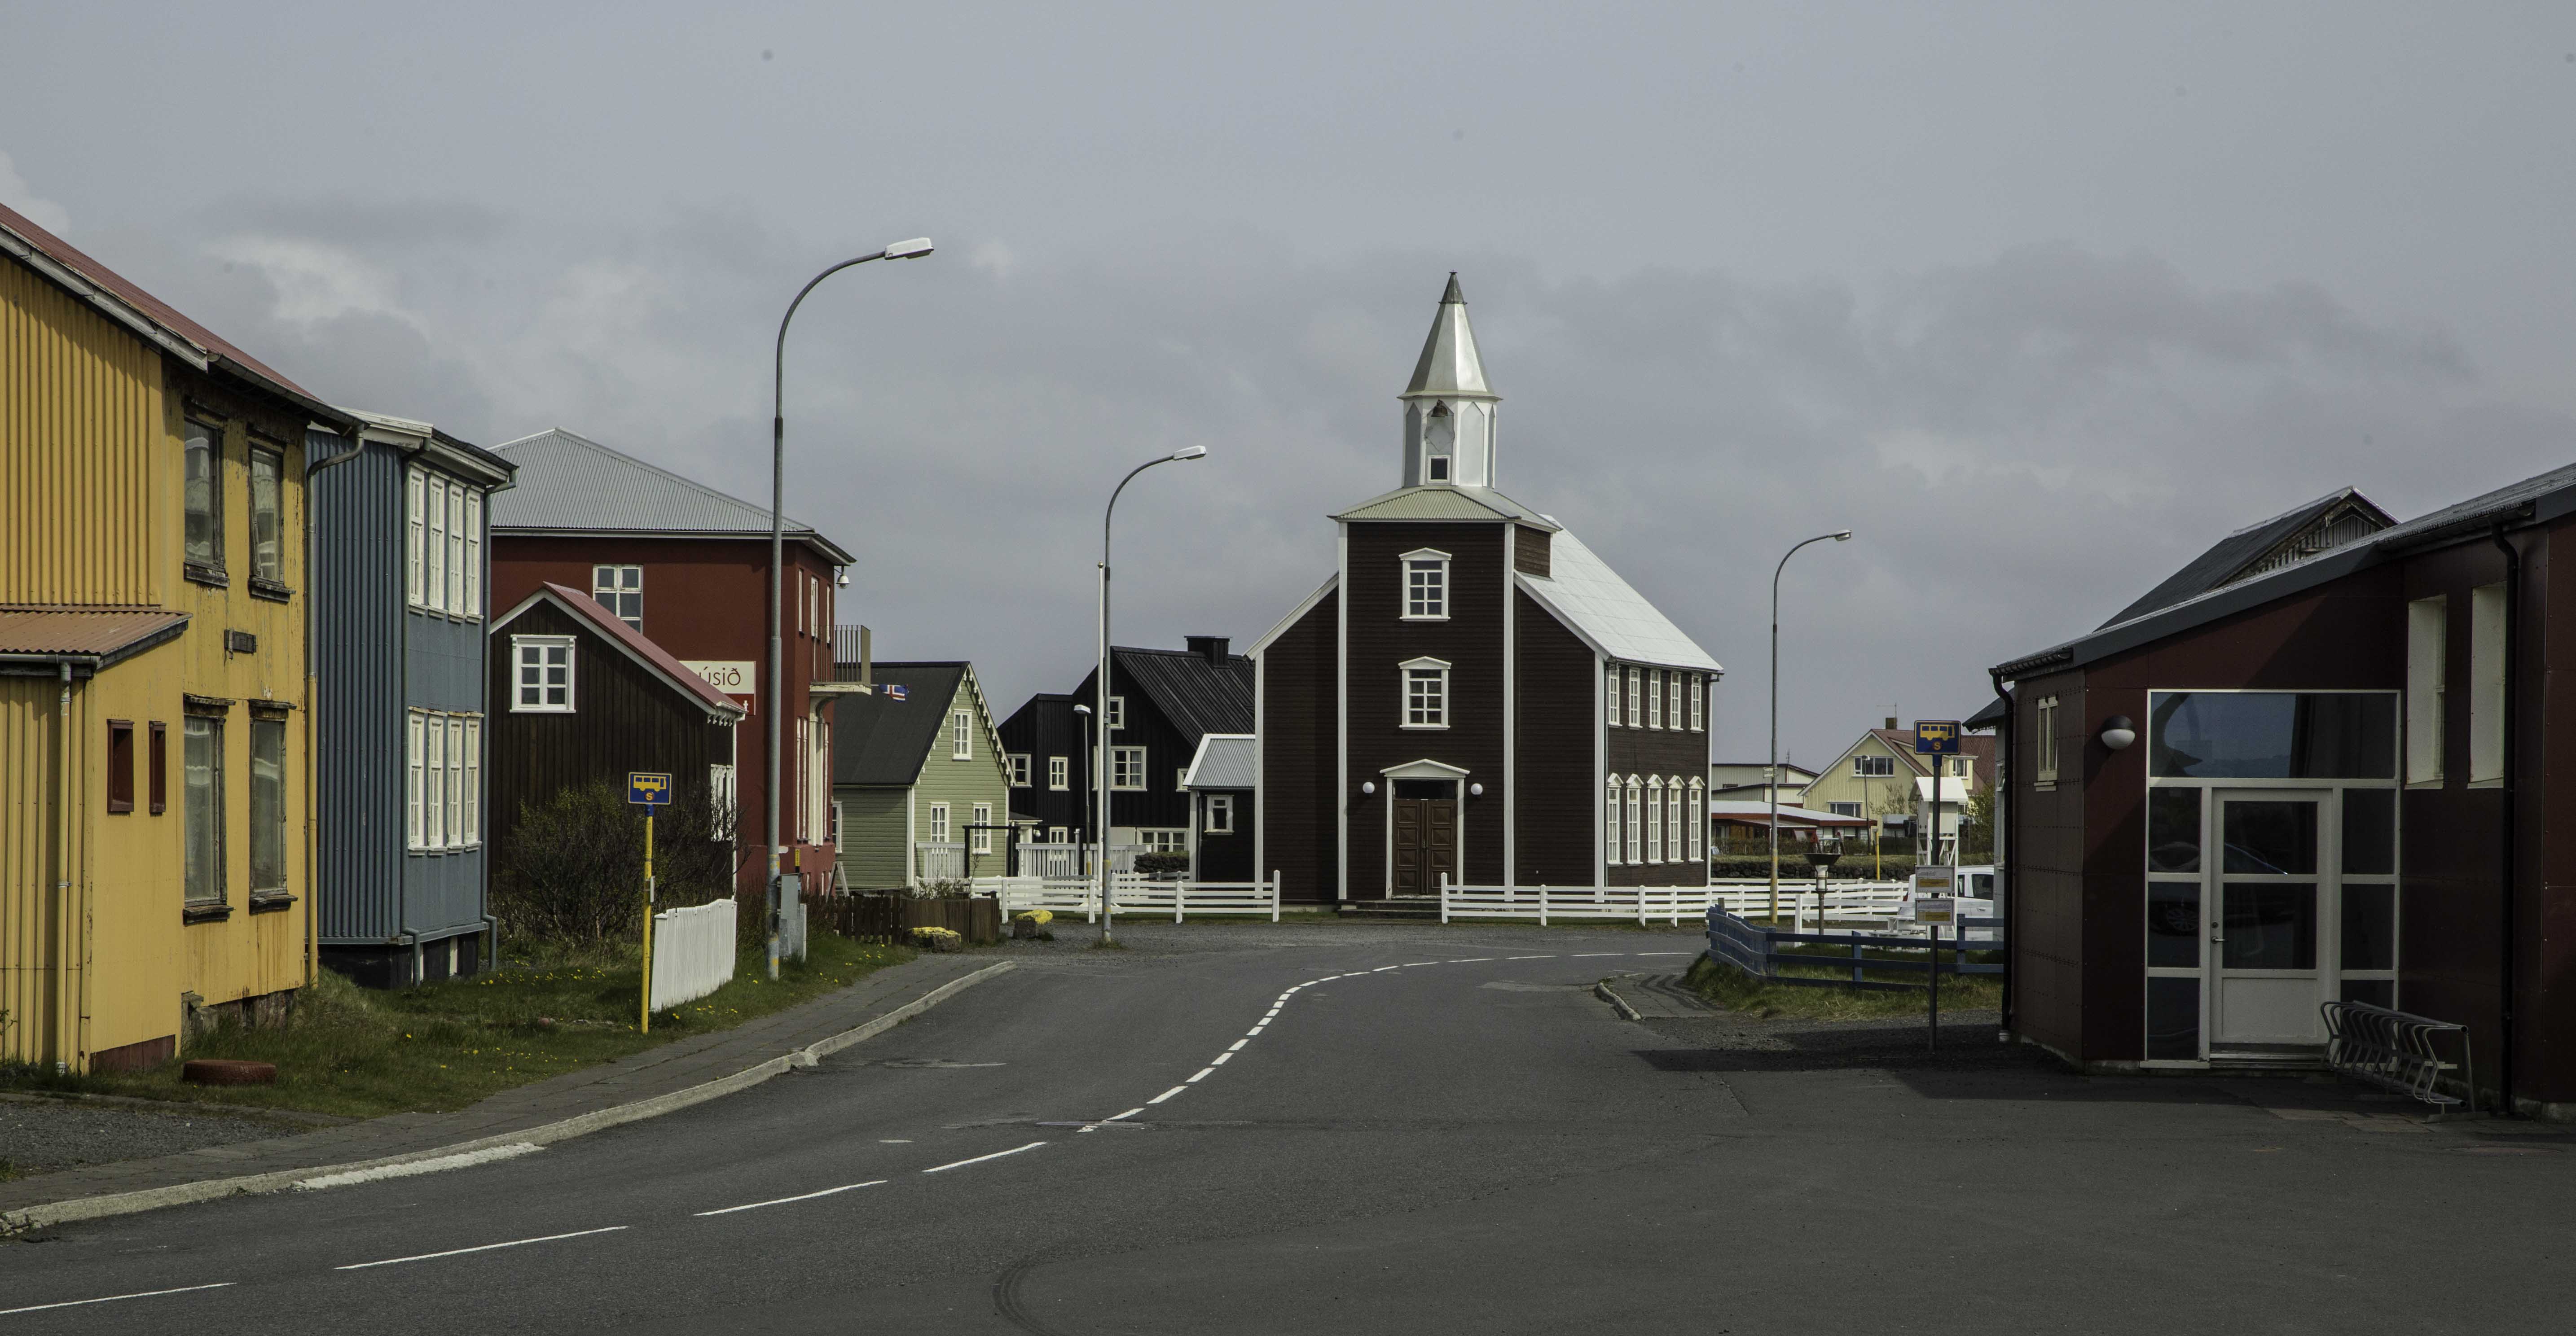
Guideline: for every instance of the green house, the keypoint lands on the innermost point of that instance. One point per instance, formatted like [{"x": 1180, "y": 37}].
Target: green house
[{"x": 920, "y": 787}]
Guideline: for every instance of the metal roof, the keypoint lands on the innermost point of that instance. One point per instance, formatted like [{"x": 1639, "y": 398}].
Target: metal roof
[
  {"x": 1450, "y": 367},
  {"x": 464, "y": 456},
  {"x": 2536, "y": 499},
  {"x": 1612, "y": 617},
  {"x": 1760, "y": 814},
  {"x": 572, "y": 484},
  {"x": 2232, "y": 556},
  {"x": 877, "y": 739},
  {"x": 633, "y": 643},
  {"x": 1442, "y": 501},
  {"x": 96, "y": 636},
  {"x": 1197, "y": 694},
  {"x": 1224, "y": 761}
]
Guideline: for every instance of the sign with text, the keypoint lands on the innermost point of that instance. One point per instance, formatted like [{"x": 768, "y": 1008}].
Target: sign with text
[
  {"x": 1936, "y": 737},
  {"x": 646, "y": 789},
  {"x": 734, "y": 677}
]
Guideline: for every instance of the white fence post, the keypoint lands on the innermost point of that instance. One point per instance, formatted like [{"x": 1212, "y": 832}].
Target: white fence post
[
  {"x": 1444, "y": 897},
  {"x": 1274, "y": 895}
]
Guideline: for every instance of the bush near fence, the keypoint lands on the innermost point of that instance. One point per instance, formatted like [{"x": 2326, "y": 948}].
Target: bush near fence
[
  {"x": 1850, "y": 867},
  {"x": 891, "y": 918}
]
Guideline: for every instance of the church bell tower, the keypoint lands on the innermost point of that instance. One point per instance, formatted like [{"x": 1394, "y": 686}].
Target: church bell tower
[{"x": 1448, "y": 408}]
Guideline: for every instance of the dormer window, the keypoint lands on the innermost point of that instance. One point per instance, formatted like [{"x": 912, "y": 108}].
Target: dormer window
[{"x": 1426, "y": 585}]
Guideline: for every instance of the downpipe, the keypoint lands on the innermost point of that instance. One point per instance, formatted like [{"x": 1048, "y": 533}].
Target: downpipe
[
  {"x": 2006, "y": 848},
  {"x": 2510, "y": 795}
]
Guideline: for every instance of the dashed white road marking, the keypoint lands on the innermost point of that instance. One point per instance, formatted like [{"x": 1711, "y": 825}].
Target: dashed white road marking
[
  {"x": 894, "y": 1141},
  {"x": 460, "y": 1252},
  {"x": 112, "y": 1298},
  {"x": 1117, "y": 1117},
  {"x": 1238, "y": 1044},
  {"x": 1221, "y": 1059},
  {"x": 1529, "y": 957},
  {"x": 1167, "y": 1094},
  {"x": 1587, "y": 955},
  {"x": 1472, "y": 960},
  {"x": 1666, "y": 953},
  {"x": 1201, "y": 1074},
  {"x": 960, "y": 1164},
  {"x": 782, "y": 1201},
  {"x": 1384, "y": 968}
]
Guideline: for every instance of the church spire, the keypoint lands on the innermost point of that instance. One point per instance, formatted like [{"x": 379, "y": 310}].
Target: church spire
[{"x": 1448, "y": 407}]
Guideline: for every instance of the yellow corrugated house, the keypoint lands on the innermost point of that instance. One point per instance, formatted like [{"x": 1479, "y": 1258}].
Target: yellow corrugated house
[{"x": 154, "y": 841}]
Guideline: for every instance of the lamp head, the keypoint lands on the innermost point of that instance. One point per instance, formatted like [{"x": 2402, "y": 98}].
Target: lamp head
[
  {"x": 1190, "y": 452},
  {"x": 1082, "y": 709},
  {"x": 1843, "y": 537},
  {"x": 2118, "y": 732},
  {"x": 908, "y": 250}
]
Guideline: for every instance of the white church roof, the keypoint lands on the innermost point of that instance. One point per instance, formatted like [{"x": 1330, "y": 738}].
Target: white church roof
[
  {"x": 1450, "y": 367},
  {"x": 1613, "y": 618},
  {"x": 1443, "y": 501}
]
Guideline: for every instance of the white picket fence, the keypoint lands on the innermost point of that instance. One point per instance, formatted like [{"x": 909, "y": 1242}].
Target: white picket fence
[
  {"x": 1134, "y": 894},
  {"x": 693, "y": 952},
  {"x": 1073, "y": 861},
  {"x": 1672, "y": 905}
]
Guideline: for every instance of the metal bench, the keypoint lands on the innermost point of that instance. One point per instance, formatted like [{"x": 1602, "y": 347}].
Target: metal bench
[{"x": 2399, "y": 1051}]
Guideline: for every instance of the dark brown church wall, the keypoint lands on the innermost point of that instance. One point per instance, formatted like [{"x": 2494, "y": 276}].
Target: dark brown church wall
[
  {"x": 1556, "y": 700},
  {"x": 1299, "y": 743},
  {"x": 1665, "y": 752},
  {"x": 1470, "y": 640}
]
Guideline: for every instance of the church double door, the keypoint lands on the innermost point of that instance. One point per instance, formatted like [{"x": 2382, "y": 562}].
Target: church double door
[{"x": 1425, "y": 835}]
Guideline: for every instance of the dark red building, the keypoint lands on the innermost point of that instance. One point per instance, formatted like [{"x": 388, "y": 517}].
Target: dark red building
[{"x": 688, "y": 566}]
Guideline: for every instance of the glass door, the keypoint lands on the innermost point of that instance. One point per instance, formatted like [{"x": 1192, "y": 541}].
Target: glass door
[{"x": 2275, "y": 890}]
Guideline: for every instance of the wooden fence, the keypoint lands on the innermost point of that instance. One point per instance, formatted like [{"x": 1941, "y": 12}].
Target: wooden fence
[
  {"x": 891, "y": 918},
  {"x": 1758, "y": 951}
]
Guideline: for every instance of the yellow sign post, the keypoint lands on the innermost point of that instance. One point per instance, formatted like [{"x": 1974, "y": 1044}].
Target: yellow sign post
[{"x": 648, "y": 791}]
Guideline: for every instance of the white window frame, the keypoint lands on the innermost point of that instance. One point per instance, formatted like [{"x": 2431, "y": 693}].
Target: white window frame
[
  {"x": 619, "y": 589},
  {"x": 434, "y": 580},
  {"x": 455, "y": 604},
  {"x": 1610, "y": 695},
  {"x": 2428, "y": 625},
  {"x": 2044, "y": 744},
  {"x": 1655, "y": 819},
  {"x": 1654, "y": 698},
  {"x": 415, "y": 784},
  {"x": 1636, "y": 698},
  {"x": 433, "y": 803},
  {"x": 1844, "y": 809},
  {"x": 1430, "y": 709},
  {"x": 1127, "y": 769},
  {"x": 1636, "y": 816},
  {"x": 961, "y": 735},
  {"x": 1117, "y": 713},
  {"x": 720, "y": 791},
  {"x": 473, "y": 554},
  {"x": 1220, "y": 814},
  {"x": 455, "y": 781},
  {"x": 1059, "y": 775},
  {"x": 1699, "y": 702},
  {"x": 1019, "y": 770},
  {"x": 519, "y": 647},
  {"x": 472, "y": 798},
  {"x": 1181, "y": 780},
  {"x": 1611, "y": 825},
  {"x": 1676, "y": 820},
  {"x": 1673, "y": 700},
  {"x": 1698, "y": 815},
  {"x": 1433, "y": 606},
  {"x": 1868, "y": 766},
  {"x": 415, "y": 575},
  {"x": 1059, "y": 835},
  {"x": 979, "y": 836},
  {"x": 2487, "y": 614},
  {"x": 939, "y": 825}
]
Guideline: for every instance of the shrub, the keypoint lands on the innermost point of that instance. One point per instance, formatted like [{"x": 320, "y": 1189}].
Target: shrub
[
  {"x": 1163, "y": 864},
  {"x": 571, "y": 871},
  {"x": 1794, "y": 867}
]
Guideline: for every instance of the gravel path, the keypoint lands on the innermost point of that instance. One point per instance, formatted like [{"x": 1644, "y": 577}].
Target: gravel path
[{"x": 41, "y": 1135}]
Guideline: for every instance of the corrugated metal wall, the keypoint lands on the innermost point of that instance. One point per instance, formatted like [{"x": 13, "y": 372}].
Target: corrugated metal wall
[
  {"x": 359, "y": 666},
  {"x": 80, "y": 413},
  {"x": 34, "y": 934}
]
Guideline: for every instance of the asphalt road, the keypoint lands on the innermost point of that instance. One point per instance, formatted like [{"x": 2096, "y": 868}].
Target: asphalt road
[{"x": 1451, "y": 1135}]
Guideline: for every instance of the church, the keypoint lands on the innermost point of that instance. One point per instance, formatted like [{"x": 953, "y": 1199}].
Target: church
[{"x": 1474, "y": 694}]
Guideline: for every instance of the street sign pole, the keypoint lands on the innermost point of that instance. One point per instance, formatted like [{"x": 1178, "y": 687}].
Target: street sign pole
[
  {"x": 648, "y": 790},
  {"x": 1935, "y": 738}
]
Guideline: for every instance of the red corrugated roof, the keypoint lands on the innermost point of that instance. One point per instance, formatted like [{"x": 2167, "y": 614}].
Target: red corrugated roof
[
  {"x": 609, "y": 625},
  {"x": 81, "y": 631},
  {"x": 153, "y": 308}
]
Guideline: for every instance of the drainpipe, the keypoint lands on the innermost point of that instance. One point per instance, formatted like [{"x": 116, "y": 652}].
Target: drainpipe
[
  {"x": 2005, "y": 847},
  {"x": 73, "y": 947},
  {"x": 2510, "y": 795},
  {"x": 313, "y": 706}
]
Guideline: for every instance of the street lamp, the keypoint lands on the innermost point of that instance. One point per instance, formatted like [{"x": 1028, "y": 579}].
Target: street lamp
[
  {"x": 901, "y": 250},
  {"x": 1100, "y": 772},
  {"x": 1085, "y": 729},
  {"x": 1772, "y": 789}
]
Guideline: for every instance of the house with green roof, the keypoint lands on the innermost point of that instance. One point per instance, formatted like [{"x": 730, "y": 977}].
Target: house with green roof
[{"x": 920, "y": 788}]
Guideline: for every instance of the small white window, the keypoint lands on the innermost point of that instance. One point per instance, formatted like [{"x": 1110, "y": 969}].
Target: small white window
[
  {"x": 980, "y": 838},
  {"x": 961, "y": 735},
  {"x": 1127, "y": 768},
  {"x": 1610, "y": 823},
  {"x": 1655, "y": 698},
  {"x": 1636, "y": 699},
  {"x": 1636, "y": 820},
  {"x": 455, "y": 782},
  {"x": 2486, "y": 684},
  {"x": 2427, "y": 639},
  {"x": 1426, "y": 693},
  {"x": 542, "y": 683},
  {"x": 1058, "y": 835},
  {"x": 473, "y": 605},
  {"x": 1676, "y": 821},
  {"x": 1873, "y": 767},
  {"x": 720, "y": 794},
  {"x": 1673, "y": 700},
  {"x": 434, "y": 802},
  {"x": 1426, "y": 585},
  {"x": 435, "y": 581},
  {"x": 620, "y": 589},
  {"x": 1843, "y": 809},
  {"x": 1698, "y": 821},
  {"x": 2044, "y": 772},
  {"x": 1117, "y": 713},
  {"x": 1058, "y": 775},
  {"x": 1220, "y": 814},
  {"x": 1699, "y": 703},
  {"x": 473, "y": 789},
  {"x": 415, "y": 573},
  {"x": 1019, "y": 770},
  {"x": 939, "y": 823},
  {"x": 1655, "y": 820},
  {"x": 455, "y": 548},
  {"x": 1610, "y": 695},
  {"x": 835, "y": 837},
  {"x": 415, "y": 785},
  {"x": 1181, "y": 780}
]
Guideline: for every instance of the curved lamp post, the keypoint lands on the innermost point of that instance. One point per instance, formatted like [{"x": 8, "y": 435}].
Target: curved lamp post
[
  {"x": 1100, "y": 771},
  {"x": 1773, "y": 773},
  {"x": 901, "y": 250}
]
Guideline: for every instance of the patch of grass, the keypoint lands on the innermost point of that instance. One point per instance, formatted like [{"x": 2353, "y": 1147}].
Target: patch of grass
[
  {"x": 443, "y": 1046},
  {"x": 1107, "y": 944},
  {"x": 9, "y": 1170},
  {"x": 1739, "y": 992}
]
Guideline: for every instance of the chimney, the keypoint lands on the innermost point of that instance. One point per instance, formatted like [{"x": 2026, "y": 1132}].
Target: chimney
[
  {"x": 1891, "y": 723},
  {"x": 1210, "y": 648}
]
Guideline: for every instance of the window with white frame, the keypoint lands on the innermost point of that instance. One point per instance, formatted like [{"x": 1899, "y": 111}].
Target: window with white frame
[
  {"x": 1181, "y": 780},
  {"x": 455, "y": 782},
  {"x": 433, "y": 802},
  {"x": 414, "y": 567},
  {"x": 1019, "y": 770},
  {"x": 720, "y": 794},
  {"x": 1117, "y": 713},
  {"x": 1636, "y": 820},
  {"x": 442, "y": 781},
  {"x": 980, "y": 836},
  {"x": 1059, "y": 774},
  {"x": 541, "y": 680},
  {"x": 2486, "y": 684},
  {"x": 1610, "y": 824},
  {"x": 1843, "y": 809},
  {"x": 1426, "y": 693},
  {"x": 620, "y": 589},
  {"x": 455, "y": 602},
  {"x": 1655, "y": 698},
  {"x": 434, "y": 581},
  {"x": 473, "y": 604},
  {"x": 1655, "y": 819},
  {"x": 267, "y": 548},
  {"x": 1698, "y": 820},
  {"x": 203, "y": 799},
  {"x": 1165, "y": 840},
  {"x": 1699, "y": 703},
  {"x": 1676, "y": 821},
  {"x": 1220, "y": 814},
  {"x": 1127, "y": 768},
  {"x": 1059, "y": 835},
  {"x": 1426, "y": 586},
  {"x": 1636, "y": 698},
  {"x": 1610, "y": 695},
  {"x": 939, "y": 823},
  {"x": 2044, "y": 743},
  {"x": 1673, "y": 699},
  {"x": 1873, "y": 767},
  {"x": 415, "y": 783},
  {"x": 961, "y": 735},
  {"x": 834, "y": 835},
  {"x": 2427, "y": 640}
]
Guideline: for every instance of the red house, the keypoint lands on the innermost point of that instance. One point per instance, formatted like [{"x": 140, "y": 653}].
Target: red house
[{"x": 688, "y": 567}]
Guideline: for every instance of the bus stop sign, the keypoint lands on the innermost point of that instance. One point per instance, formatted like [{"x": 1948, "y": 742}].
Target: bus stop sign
[
  {"x": 645, "y": 789},
  {"x": 1936, "y": 737}
]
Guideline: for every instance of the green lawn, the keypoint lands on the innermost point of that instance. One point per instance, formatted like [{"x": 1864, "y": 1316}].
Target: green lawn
[
  {"x": 1739, "y": 992},
  {"x": 442, "y": 1046}
]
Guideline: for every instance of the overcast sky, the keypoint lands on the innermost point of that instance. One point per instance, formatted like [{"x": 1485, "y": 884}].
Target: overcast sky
[{"x": 2040, "y": 299}]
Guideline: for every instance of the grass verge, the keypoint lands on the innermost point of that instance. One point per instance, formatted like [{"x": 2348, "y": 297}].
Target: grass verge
[
  {"x": 442, "y": 1046},
  {"x": 1741, "y": 993}
]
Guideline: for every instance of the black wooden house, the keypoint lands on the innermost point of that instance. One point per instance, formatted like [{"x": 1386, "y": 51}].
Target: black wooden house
[{"x": 1162, "y": 702}]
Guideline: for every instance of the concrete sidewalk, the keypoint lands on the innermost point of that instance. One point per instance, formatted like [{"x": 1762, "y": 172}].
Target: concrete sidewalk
[{"x": 673, "y": 1076}]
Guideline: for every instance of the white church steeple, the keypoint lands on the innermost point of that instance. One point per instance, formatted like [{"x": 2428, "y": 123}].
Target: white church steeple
[{"x": 1448, "y": 409}]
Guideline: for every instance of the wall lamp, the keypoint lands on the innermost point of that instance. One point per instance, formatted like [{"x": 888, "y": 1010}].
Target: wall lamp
[
  {"x": 2118, "y": 732},
  {"x": 1368, "y": 786}
]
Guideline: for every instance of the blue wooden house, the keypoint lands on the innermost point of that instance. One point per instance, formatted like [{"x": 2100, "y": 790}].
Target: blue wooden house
[{"x": 402, "y": 566}]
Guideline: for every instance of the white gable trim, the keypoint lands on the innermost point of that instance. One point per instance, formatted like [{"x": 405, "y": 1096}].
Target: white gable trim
[{"x": 1295, "y": 615}]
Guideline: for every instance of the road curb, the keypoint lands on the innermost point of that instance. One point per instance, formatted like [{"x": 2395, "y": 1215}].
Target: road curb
[
  {"x": 180, "y": 1194},
  {"x": 1617, "y": 1003}
]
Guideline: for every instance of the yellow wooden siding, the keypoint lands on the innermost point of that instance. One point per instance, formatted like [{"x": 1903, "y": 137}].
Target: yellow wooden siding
[
  {"x": 80, "y": 422},
  {"x": 36, "y": 937}
]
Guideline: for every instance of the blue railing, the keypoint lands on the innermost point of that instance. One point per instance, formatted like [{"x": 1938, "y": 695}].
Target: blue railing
[{"x": 1757, "y": 951}]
